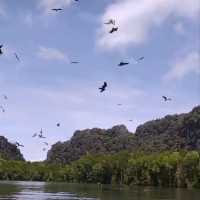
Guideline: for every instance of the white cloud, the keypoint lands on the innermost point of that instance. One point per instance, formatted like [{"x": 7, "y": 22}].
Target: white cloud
[
  {"x": 136, "y": 18},
  {"x": 52, "y": 54},
  {"x": 47, "y": 5},
  {"x": 183, "y": 66}
]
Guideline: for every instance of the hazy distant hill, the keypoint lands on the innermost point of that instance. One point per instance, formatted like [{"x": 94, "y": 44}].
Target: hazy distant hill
[
  {"x": 172, "y": 132},
  {"x": 9, "y": 151}
]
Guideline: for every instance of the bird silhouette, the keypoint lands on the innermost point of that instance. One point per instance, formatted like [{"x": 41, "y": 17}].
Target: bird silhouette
[
  {"x": 139, "y": 59},
  {"x": 74, "y": 62},
  {"x": 119, "y": 104},
  {"x": 166, "y": 98},
  {"x": 34, "y": 135},
  {"x": 44, "y": 149},
  {"x": 103, "y": 87},
  {"x": 111, "y": 21},
  {"x": 19, "y": 145},
  {"x": 46, "y": 143},
  {"x": 2, "y": 109},
  {"x": 58, "y": 124},
  {"x": 114, "y": 29},
  {"x": 57, "y": 9},
  {"x": 41, "y": 134},
  {"x": 123, "y": 64},
  {"x": 5, "y": 97},
  {"x": 1, "y": 51},
  {"x": 17, "y": 57}
]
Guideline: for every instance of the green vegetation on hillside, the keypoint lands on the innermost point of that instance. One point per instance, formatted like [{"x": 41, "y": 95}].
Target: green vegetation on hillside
[
  {"x": 9, "y": 151},
  {"x": 171, "y": 133},
  {"x": 171, "y": 169}
]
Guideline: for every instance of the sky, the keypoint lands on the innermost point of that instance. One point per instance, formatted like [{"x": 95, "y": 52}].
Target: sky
[{"x": 44, "y": 88}]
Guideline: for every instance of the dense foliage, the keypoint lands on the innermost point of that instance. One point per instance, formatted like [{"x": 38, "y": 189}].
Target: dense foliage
[
  {"x": 172, "y": 169},
  {"x": 94, "y": 141},
  {"x": 9, "y": 150},
  {"x": 173, "y": 132}
]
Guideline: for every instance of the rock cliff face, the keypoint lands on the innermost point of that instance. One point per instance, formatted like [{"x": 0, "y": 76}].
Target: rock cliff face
[
  {"x": 173, "y": 132},
  {"x": 9, "y": 151},
  {"x": 92, "y": 141}
]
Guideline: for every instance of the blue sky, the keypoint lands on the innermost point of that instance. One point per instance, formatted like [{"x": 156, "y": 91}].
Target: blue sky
[{"x": 44, "y": 88}]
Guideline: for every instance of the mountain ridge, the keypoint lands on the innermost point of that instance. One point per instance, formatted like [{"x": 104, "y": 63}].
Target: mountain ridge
[{"x": 173, "y": 132}]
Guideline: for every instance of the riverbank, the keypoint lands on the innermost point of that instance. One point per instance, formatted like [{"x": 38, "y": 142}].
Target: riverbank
[{"x": 168, "y": 169}]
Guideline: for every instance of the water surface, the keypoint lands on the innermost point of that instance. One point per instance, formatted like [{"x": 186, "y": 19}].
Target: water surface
[{"x": 51, "y": 191}]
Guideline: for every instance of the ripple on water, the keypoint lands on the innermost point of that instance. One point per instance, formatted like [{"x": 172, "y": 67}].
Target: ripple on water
[
  {"x": 35, "y": 191},
  {"x": 30, "y": 195}
]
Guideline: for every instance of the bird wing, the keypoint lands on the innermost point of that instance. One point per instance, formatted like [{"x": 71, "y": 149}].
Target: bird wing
[
  {"x": 112, "y": 30},
  {"x": 74, "y": 62},
  {"x": 141, "y": 58},
  {"x": 56, "y": 9},
  {"x": 17, "y": 57}
]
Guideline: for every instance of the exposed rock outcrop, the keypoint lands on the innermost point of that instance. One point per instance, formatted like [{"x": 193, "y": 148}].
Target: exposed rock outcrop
[{"x": 9, "y": 151}]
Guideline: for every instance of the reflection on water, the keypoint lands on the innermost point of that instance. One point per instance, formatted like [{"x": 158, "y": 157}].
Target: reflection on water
[{"x": 51, "y": 191}]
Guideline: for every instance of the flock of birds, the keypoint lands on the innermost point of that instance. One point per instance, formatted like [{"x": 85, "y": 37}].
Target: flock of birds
[{"x": 103, "y": 88}]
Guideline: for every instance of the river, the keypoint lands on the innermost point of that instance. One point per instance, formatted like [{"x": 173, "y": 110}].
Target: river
[{"x": 61, "y": 191}]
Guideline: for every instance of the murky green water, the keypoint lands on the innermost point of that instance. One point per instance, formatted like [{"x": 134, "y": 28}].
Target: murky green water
[{"x": 50, "y": 191}]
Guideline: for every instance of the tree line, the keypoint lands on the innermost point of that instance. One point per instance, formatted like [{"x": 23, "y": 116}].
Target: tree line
[{"x": 168, "y": 169}]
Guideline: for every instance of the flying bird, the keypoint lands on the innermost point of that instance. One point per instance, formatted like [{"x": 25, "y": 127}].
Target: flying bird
[
  {"x": 58, "y": 124},
  {"x": 17, "y": 57},
  {"x": 5, "y": 97},
  {"x": 57, "y": 9},
  {"x": 103, "y": 87},
  {"x": 139, "y": 59},
  {"x": 34, "y": 135},
  {"x": 18, "y": 144},
  {"x": 2, "y": 108},
  {"x": 111, "y": 21},
  {"x": 41, "y": 134},
  {"x": 1, "y": 52},
  {"x": 130, "y": 120},
  {"x": 166, "y": 98},
  {"x": 119, "y": 104},
  {"x": 74, "y": 62},
  {"x": 123, "y": 64},
  {"x": 44, "y": 149},
  {"x": 114, "y": 29},
  {"x": 46, "y": 143}
]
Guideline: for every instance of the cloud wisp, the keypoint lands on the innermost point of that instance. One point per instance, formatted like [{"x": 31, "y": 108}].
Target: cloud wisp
[
  {"x": 51, "y": 54},
  {"x": 136, "y": 18},
  {"x": 183, "y": 66}
]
